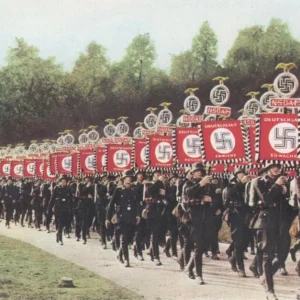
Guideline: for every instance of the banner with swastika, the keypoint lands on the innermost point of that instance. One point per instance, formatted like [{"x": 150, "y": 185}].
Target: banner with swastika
[
  {"x": 223, "y": 141},
  {"x": 160, "y": 152},
  {"x": 4, "y": 167},
  {"x": 64, "y": 163},
  {"x": 52, "y": 161},
  {"x": 47, "y": 175},
  {"x": 39, "y": 168},
  {"x": 276, "y": 138},
  {"x": 29, "y": 168},
  {"x": 118, "y": 158},
  {"x": 16, "y": 168},
  {"x": 187, "y": 146},
  {"x": 139, "y": 158},
  {"x": 87, "y": 161},
  {"x": 100, "y": 160}
]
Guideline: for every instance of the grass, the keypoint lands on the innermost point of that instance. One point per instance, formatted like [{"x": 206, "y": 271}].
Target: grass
[{"x": 28, "y": 273}]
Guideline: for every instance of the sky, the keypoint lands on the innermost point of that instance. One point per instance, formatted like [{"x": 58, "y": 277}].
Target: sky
[{"x": 63, "y": 28}]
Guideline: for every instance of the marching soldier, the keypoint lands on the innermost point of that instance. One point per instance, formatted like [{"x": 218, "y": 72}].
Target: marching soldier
[
  {"x": 101, "y": 206},
  {"x": 171, "y": 219},
  {"x": 25, "y": 199},
  {"x": 37, "y": 204},
  {"x": 198, "y": 198},
  {"x": 237, "y": 211},
  {"x": 270, "y": 220},
  {"x": 140, "y": 232},
  {"x": 60, "y": 203},
  {"x": 127, "y": 213},
  {"x": 2, "y": 184},
  {"x": 85, "y": 208},
  {"x": 9, "y": 195}
]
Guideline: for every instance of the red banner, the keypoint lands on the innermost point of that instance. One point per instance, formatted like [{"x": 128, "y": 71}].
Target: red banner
[
  {"x": 277, "y": 137},
  {"x": 16, "y": 168},
  {"x": 39, "y": 167},
  {"x": 187, "y": 146},
  {"x": 139, "y": 157},
  {"x": 29, "y": 168},
  {"x": 87, "y": 161},
  {"x": 160, "y": 151},
  {"x": 223, "y": 141},
  {"x": 5, "y": 168},
  {"x": 64, "y": 163},
  {"x": 47, "y": 175},
  {"x": 100, "y": 160},
  {"x": 75, "y": 164},
  {"x": 52, "y": 163},
  {"x": 118, "y": 158}
]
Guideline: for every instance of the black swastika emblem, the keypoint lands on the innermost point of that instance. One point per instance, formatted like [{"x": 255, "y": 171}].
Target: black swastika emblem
[
  {"x": 122, "y": 159},
  {"x": 192, "y": 105},
  {"x": 285, "y": 84},
  {"x": 165, "y": 117},
  {"x": 6, "y": 169},
  {"x": 164, "y": 152},
  {"x": 90, "y": 162},
  {"x": 19, "y": 169},
  {"x": 253, "y": 109},
  {"x": 151, "y": 121},
  {"x": 67, "y": 163},
  {"x": 219, "y": 96},
  {"x": 223, "y": 141},
  {"x": 30, "y": 168},
  {"x": 285, "y": 139},
  {"x": 193, "y": 146}
]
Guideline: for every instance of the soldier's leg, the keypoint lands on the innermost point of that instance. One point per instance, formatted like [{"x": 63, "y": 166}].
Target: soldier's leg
[{"x": 124, "y": 232}]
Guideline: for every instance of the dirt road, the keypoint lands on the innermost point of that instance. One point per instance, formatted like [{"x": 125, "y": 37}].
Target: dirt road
[{"x": 164, "y": 282}]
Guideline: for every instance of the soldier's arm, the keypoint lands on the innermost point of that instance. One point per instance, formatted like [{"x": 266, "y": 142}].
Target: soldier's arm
[{"x": 111, "y": 204}]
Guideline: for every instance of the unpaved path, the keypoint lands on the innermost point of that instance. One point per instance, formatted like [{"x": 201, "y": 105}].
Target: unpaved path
[{"x": 164, "y": 282}]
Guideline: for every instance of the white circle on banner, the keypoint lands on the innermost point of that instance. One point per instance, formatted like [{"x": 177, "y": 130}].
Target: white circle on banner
[
  {"x": 191, "y": 146},
  {"x": 138, "y": 132},
  {"x": 49, "y": 172},
  {"x": 6, "y": 169},
  {"x": 265, "y": 101},
  {"x": 150, "y": 121},
  {"x": 165, "y": 116},
  {"x": 109, "y": 130},
  {"x": 121, "y": 158},
  {"x": 163, "y": 152},
  {"x": 93, "y": 136},
  {"x": 219, "y": 95},
  {"x": 41, "y": 168},
  {"x": 222, "y": 140},
  {"x": 143, "y": 155},
  {"x": 283, "y": 138},
  {"x": 122, "y": 128},
  {"x": 192, "y": 104},
  {"x": 286, "y": 84},
  {"x": 30, "y": 168},
  {"x": 252, "y": 108},
  {"x": 90, "y": 162},
  {"x": 103, "y": 160},
  {"x": 18, "y": 169},
  {"x": 67, "y": 163}
]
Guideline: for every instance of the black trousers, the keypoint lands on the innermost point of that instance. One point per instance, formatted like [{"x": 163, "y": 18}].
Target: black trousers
[
  {"x": 125, "y": 231},
  {"x": 61, "y": 222},
  {"x": 153, "y": 226},
  {"x": 186, "y": 245},
  {"x": 101, "y": 226},
  {"x": 266, "y": 240}
]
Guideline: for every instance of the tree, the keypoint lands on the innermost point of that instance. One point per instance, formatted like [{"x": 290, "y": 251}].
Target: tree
[{"x": 204, "y": 50}]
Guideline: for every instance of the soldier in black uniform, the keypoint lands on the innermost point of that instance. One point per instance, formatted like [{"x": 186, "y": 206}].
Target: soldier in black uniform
[
  {"x": 198, "y": 198},
  {"x": 101, "y": 206},
  {"x": 85, "y": 208},
  {"x": 237, "y": 212},
  {"x": 270, "y": 196},
  {"x": 60, "y": 203},
  {"x": 154, "y": 195},
  {"x": 37, "y": 203},
  {"x": 10, "y": 194},
  {"x": 25, "y": 198},
  {"x": 127, "y": 213},
  {"x": 171, "y": 219},
  {"x": 2, "y": 184},
  {"x": 17, "y": 204},
  {"x": 140, "y": 233},
  {"x": 46, "y": 194}
]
